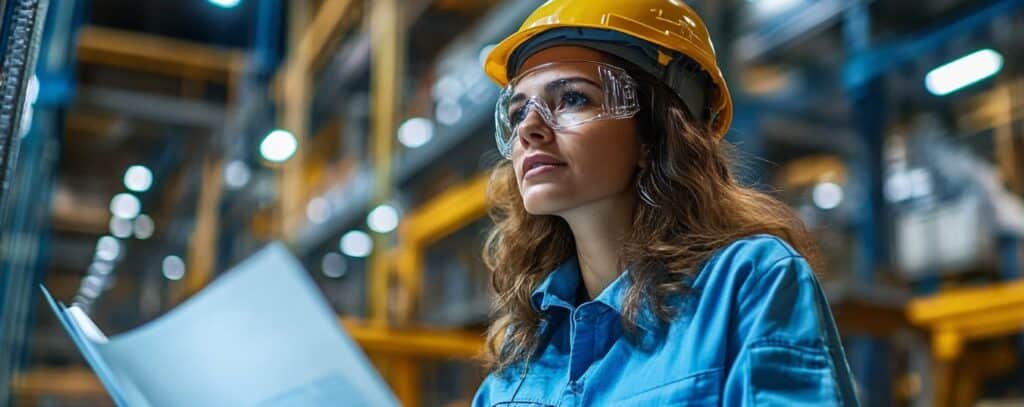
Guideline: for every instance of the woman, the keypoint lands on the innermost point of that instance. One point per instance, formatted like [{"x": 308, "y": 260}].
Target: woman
[{"x": 630, "y": 267}]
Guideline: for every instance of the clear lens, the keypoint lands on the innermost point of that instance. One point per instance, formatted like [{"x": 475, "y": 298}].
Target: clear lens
[{"x": 563, "y": 95}]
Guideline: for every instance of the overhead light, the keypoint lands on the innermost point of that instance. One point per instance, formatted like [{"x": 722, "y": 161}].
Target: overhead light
[
  {"x": 383, "y": 219},
  {"x": 447, "y": 89},
  {"x": 827, "y": 195},
  {"x": 448, "y": 113},
  {"x": 143, "y": 227},
  {"x": 416, "y": 132},
  {"x": 236, "y": 174},
  {"x": 125, "y": 205},
  {"x": 108, "y": 249},
  {"x": 173, "y": 267},
  {"x": 101, "y": 268},
  {"x": 356, "y": 244},
  {"x": 120, "y": 227},
  {"x": 964, "y": 71},
  {"x": 225, "y": 3},
  {"x": 318, "y": 210},
  {"x": 768, "y": 8},
  {"x": 91, "y": 286},
  {"x": 278, "y": 146},
  {"x": 333, "y": 265},
  {"x": 138, "y": 178},
  {"x": 910, "y": 184}
]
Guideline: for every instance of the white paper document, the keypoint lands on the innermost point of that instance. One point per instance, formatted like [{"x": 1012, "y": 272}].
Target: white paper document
[{"x": 260, "y": 335}]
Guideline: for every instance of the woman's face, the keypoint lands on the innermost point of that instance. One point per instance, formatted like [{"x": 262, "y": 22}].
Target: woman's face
[{"x": 596, "y": 160}]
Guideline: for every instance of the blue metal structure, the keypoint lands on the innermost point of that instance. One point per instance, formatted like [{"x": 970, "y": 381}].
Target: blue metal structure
[{"x": 26, "y": 223}]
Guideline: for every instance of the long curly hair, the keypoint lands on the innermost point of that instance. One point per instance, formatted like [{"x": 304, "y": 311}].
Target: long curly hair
[{"x": 693, "y": 207}]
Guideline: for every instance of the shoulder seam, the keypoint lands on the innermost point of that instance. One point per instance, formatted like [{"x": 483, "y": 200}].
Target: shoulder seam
[{"x": 757, "y": 276}]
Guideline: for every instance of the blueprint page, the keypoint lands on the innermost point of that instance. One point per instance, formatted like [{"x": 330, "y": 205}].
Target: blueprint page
[{"x": 261, "y": 334}]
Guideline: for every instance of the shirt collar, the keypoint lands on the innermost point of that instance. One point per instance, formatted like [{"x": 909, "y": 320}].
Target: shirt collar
[{"x": 559, "y": 289}]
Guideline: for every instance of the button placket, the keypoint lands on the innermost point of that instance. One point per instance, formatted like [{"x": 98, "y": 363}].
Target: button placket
[{"x": 582, "y": 348}]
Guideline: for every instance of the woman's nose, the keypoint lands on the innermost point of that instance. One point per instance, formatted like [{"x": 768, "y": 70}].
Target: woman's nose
[{"x": 534, "y": 130}]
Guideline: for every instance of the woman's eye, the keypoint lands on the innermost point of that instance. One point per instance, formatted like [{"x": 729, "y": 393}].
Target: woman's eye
[
  {"x": 517, "y": 116},
  {"x": 574, "y": 99}
]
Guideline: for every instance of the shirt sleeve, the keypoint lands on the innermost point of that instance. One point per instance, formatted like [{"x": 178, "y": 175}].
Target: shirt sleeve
[
  {"x": 482, "y": 398},
  {"x": 788, "y": 349}
]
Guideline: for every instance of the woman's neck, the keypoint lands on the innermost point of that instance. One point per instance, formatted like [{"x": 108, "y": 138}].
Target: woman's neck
[{"x": 599, "y": 229}]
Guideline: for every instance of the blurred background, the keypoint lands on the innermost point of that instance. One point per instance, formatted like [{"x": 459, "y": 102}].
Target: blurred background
[{"x": 161, "y": 142}]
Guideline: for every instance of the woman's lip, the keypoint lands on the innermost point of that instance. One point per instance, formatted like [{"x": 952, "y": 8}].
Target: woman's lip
[{"x": 542, "y": 169}]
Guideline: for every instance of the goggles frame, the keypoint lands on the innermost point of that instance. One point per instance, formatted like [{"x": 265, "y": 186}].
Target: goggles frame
[{"x": 619, "y": 101}]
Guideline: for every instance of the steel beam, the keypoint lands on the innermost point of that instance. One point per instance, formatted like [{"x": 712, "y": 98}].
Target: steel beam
[
  {"x": 295, "y": 87},
  {"x": 877, "y": 60},
  {"x": 162, "y": 109},
  {"x": 386, "y": 83},
  {"x": 159, "y": 55},
  {"x": 420, "y": 342},
  {"x": 782, "y": 32},
  {"x": 202, "y": 249}
]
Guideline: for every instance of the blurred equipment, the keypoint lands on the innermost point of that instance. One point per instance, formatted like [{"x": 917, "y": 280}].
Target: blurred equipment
[{"x": 21, "y": 29}]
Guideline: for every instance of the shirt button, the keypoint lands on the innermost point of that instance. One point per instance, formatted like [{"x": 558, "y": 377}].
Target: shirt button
[{"x": 576, "y": 387}]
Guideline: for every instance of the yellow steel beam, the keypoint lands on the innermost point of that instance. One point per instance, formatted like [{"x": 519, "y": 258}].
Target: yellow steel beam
[
  {"x": 386, "y": 77},
  {"x": 430, "y": 343},
  {"x": 295, "y": 89},
  {"x": 958, "y": 316},
  {"x": 405, "y": 380},
  {"x": 325, "y": 28},
  {"x": 967, "y": 302},
  {"x": 454, "y": 209},
  {"x": 71, "y": 383},
  {"x": 457, "y": 207},
  {"x": 811, "y": 170},
  {"x": 202, "y": 250},
  {"x": 156, "y": 54}
]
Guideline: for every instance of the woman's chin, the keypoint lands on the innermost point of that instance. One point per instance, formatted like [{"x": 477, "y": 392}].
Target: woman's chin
[{"x": 543, "y": 206}]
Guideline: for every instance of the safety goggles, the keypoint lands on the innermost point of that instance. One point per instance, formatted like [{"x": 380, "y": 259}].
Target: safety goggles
[{"x": 564, "y": 94}]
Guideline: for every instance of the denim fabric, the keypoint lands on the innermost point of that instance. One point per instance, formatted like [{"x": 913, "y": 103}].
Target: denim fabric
[{"x": 754, "y": 330}]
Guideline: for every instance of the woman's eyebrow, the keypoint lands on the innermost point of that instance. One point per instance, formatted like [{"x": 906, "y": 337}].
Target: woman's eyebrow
[
  {"x": 555, "y": 85},
  {"x": 560, "y": 82}
]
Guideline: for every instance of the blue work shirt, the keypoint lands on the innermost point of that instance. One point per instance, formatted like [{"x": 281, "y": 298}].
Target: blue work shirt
[{"x": 754, "y": 330}]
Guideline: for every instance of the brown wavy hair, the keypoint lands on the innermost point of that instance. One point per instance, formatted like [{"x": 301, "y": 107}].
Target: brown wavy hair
[{"x": 694, "y": 206}]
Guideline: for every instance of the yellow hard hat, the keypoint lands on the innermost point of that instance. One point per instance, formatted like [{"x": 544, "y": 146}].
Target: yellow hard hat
[{"x": 670, "y": 27}]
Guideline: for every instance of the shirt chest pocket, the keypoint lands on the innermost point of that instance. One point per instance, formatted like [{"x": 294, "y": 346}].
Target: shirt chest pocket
[{"x": 699, "y": 389}]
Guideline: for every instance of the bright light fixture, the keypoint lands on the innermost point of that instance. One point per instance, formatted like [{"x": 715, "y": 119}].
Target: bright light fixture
[
  {"x": 108, "y": 249},
  {"x": 173, "y": 267},
  {"x": 278, "y": 146},
  {"x": 318, "y": 210},
  {"x": 356, "y": 244},
  {"x": 333, "y": 265},
  {"x": 125, "y": 205},
  {"x": 236, "y": 174},
  {"x": 120, "y": 227},
  {"x": 827, "y": 195},
  {"x": 383, "y": 219},
  {"x": 138, "y": 178},
  {"x": 143, "y": 227},
  {"x": 225, "y": 3},
  {"x": 964, "y": 71},
  {"x": 416, "y": 132}
]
